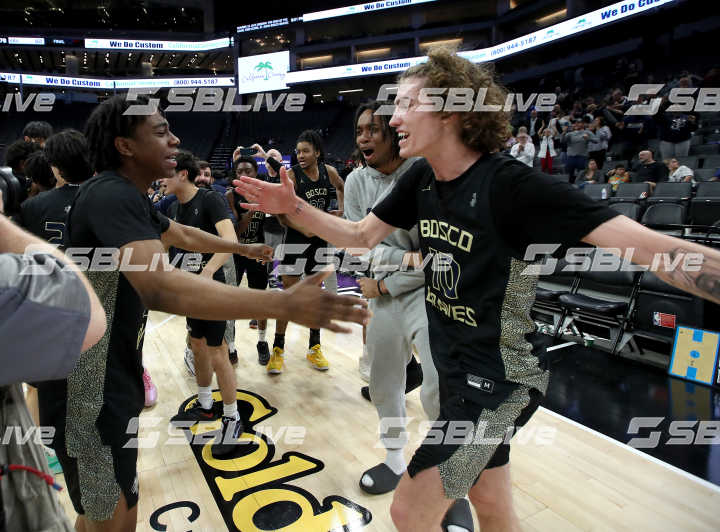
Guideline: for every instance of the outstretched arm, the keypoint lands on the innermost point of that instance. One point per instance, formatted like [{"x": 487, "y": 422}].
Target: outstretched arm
[
  {"x": 171, "y": 290},
  {"x": 194, "y": 239},
  {"x": 281, "y": 199},
  {"x": 694, "y": 268}
]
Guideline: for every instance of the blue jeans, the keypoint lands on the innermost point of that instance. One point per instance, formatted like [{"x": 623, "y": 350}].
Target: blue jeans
[{"x": 574, "y": 163}]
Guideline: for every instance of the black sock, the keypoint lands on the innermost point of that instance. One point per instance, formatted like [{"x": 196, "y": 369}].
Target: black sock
[
  {"x": 314, "y": 337},
  {"x": 279, "y": 341}
]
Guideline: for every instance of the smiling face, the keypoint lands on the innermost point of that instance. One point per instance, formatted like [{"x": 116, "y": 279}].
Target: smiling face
[
  {"x": 375, "y": 145},
  {"x": 419, "y": 130},
  {"x": 152, "y": 147}
]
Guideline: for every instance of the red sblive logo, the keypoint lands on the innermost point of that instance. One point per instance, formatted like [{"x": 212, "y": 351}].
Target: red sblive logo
[{"x": 664, "y": 320}]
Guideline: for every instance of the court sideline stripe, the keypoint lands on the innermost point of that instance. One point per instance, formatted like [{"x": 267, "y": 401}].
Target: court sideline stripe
[
  {"x": 163, "y": 322},
  {"x": 638, "y": 452}
]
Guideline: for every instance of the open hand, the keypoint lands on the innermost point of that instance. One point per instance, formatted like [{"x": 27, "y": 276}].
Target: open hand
[
  {"x": 313, "y": 307},
  {"x": 271, "y": 198}
]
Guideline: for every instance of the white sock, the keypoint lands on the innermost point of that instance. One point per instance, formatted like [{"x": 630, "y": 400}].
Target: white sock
[
  {"x": 395, "y": 460},
  {"x": 261, "y": 335},
  {"x": 231, "y": 410},
  {"x": 205, "y": 397},
  {"x": 365, "y": 353}
]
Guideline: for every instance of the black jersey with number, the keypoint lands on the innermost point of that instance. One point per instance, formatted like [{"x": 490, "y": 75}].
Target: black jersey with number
[
  {"x": 254, "y": 233},
  {"x": 44, "y": 215},
  {"x": 204, "y": 210},
  {"x": 316, "y": 193},
  {"x": 478, "y": 299},
  {"x": 105, "y": 389}
]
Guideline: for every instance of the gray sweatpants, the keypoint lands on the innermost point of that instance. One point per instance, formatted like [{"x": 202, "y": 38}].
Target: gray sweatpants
[{"x": 397, "y": 324}]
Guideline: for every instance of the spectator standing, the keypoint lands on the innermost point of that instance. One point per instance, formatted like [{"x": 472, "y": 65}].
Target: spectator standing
[
  {"x": 577, "y": 148},
  {"x": 547, "y": 150},
  {"x": 597, "y": 149}
]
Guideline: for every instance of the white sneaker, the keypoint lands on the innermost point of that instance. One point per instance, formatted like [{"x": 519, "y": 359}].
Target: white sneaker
[
  {"x": 364, "y": 366},
  {"x": 190, "y": 361}
]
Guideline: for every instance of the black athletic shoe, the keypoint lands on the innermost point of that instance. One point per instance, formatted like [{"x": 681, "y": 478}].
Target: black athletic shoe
[
  {"x": 196, "y": 413},
  {"x": 231, "y": 431},
  {"x": 263, "y": 353},
  {"x": 233, "y": 357}
]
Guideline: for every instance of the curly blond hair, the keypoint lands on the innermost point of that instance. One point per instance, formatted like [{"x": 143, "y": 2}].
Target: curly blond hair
[{"x": 483, "y": 131}]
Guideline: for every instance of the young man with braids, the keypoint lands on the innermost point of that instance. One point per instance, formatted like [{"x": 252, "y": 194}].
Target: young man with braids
[
  {"x": 303, "y": 252},
  {"x": 478, "y": 210},
  {"x": 92, "y": 409}
]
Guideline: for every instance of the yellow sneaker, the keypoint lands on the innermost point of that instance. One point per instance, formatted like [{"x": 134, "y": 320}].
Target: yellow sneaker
[
  {"x": 275, "y": 364},
  {"x": 316, "y": 358}
]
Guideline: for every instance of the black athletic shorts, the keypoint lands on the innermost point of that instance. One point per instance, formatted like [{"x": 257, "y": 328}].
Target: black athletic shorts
[
  {"x": 212, "y": 331},
  {"x": 469, "y": 437},
  {"x": 299, "y": 254},
  {"x": 257, "y": 272},
  {"x": 121, "y": 475}
]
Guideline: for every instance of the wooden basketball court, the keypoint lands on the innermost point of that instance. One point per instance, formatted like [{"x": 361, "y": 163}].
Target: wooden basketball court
[{"x": 566, "y": 477}]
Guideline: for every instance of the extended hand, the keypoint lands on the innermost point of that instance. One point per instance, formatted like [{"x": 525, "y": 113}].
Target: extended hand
[
  {"x": 313, "y": 307},
  {"x": 259, "y": 252},
  {"x": 267, "y": 197}
]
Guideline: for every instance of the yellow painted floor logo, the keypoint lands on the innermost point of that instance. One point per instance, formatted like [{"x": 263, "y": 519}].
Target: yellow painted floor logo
[{"x": 252, "y": 488}]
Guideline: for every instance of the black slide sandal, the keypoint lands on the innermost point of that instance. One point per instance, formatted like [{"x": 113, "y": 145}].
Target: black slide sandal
[
  {"x": 384, "y": 480},
  {"x": 459, "y": 515}
]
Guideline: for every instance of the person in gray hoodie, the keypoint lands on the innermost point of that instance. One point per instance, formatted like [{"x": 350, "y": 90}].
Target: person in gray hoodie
[{"x": 399, "y": 320}]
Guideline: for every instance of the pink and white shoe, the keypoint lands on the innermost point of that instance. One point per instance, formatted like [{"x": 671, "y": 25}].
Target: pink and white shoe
[{"x": 151, "y": 394}]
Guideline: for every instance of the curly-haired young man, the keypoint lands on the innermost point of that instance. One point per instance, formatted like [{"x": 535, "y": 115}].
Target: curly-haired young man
[{"x": 479, "y": 210}]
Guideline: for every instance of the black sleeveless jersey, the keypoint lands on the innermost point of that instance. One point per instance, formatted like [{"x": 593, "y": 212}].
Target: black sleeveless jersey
[
  {"x": 478, "y": 296},
  {"x": 316, "y": 193}
]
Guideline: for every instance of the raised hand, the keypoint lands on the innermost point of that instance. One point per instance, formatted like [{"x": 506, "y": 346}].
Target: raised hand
[
  {"x": 313, "y": 307},
  {"x": 271, "y": 198}
]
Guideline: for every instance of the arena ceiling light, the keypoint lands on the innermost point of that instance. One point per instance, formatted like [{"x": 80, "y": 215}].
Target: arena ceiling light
[
  {"x": 316, "y": 59},
  {"x": 552, "y": 17},
  {"x": 373, "y": 52},
  {"x": 446, "y": 42}
]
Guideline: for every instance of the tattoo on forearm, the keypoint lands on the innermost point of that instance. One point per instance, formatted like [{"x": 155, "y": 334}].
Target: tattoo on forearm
[
  {"x": 703, "y": 281},
  {"x": 298, "y": 207}
]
